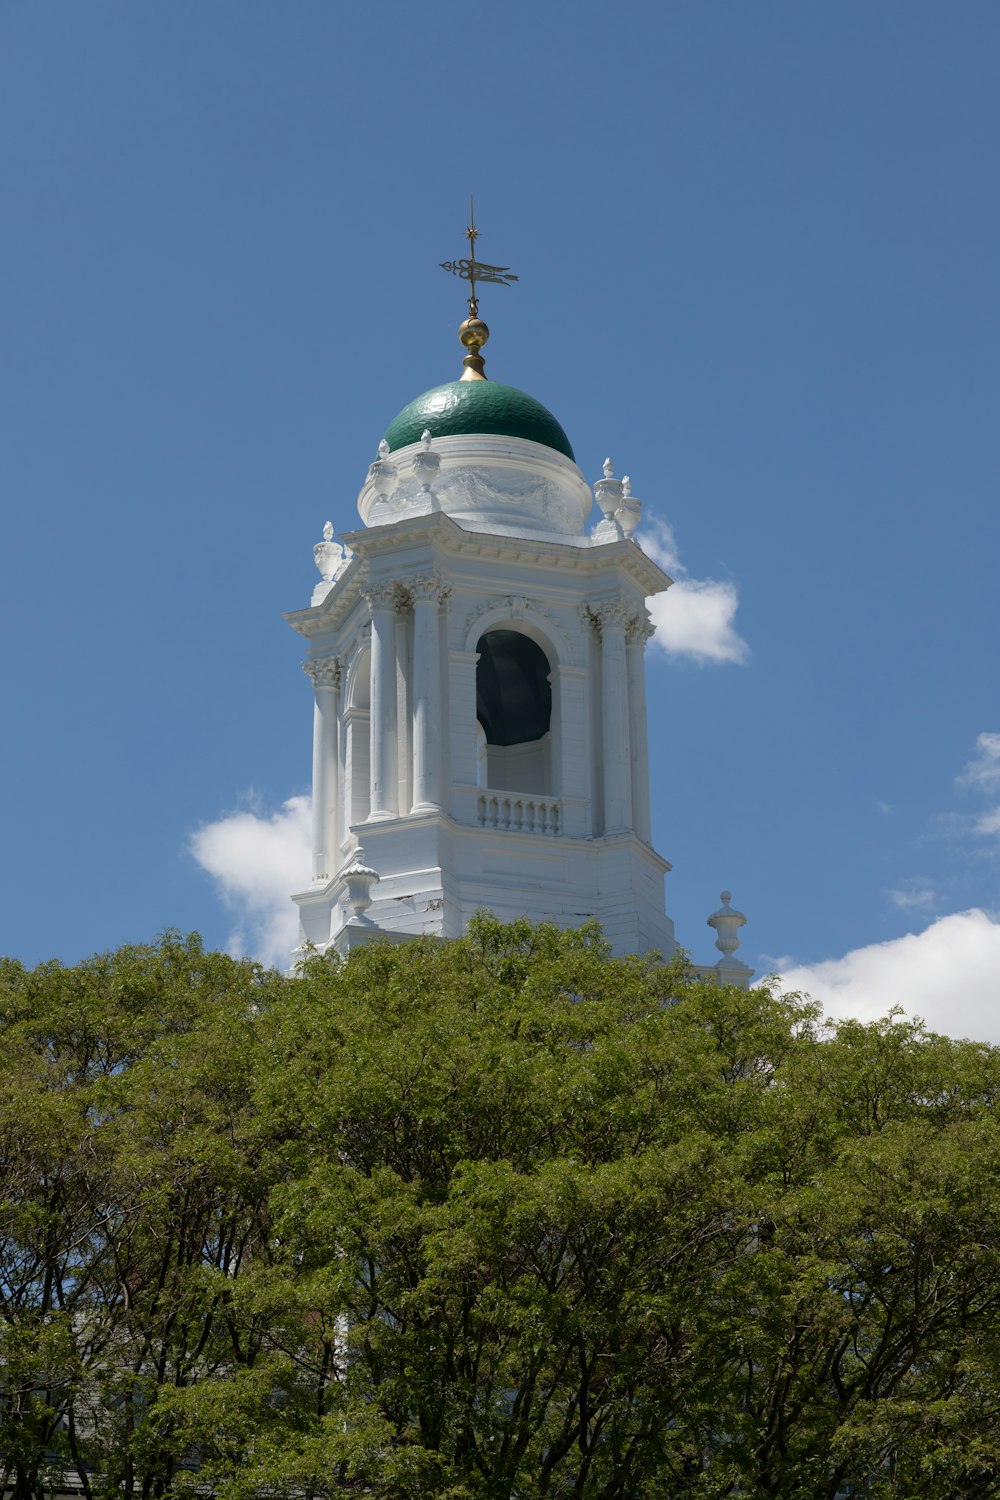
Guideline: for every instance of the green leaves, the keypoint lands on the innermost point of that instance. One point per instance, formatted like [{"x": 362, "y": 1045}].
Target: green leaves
[{"x": 498, "y": 1217}]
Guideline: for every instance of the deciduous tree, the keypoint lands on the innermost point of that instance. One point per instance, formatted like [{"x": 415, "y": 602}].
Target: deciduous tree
[{"x": 503, "y": 1217}]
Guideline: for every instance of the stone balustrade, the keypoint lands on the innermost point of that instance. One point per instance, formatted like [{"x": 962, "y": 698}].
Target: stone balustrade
[{"x": 520, "y": 813}]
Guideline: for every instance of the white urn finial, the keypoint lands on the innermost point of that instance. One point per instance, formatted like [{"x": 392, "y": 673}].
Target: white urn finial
[
  {"x": 727, "y": 923},
  {"x": 629, "y": 512},
  {"x": 328, "y": 554},
  {"x": 608, "y": 492},
  {"x": 382, "y": 473},
  {"x": 359, "y": 878},
  {"x": 425, "y": 462}
]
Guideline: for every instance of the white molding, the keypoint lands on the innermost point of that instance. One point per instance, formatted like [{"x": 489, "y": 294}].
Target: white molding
[{"x": 519, "y": 612}]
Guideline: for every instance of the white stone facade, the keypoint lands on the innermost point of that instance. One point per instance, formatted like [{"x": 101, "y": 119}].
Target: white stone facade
[{"x": 480, "y": 710}]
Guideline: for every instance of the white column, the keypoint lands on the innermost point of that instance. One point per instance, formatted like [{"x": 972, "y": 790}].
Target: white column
[
  {"x": 381, "y": 599},
  {"x": 555, "y": 777},
  {"x": 613, "y": 619},
  {"x": 428, "y": 594},
  {"x": 462, "y": 729},
  {"x": 325, "y": 675},
  {"x": 571, "y": 748},
  {"x": 404, "y": 711},
  {"x": 344, "y": 818},
  {"x": 637, "y": 634}
]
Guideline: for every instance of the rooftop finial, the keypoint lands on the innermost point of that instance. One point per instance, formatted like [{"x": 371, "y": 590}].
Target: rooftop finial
[
  {"x": 727, "y": 923},
  {"x": 473, "y": 333}
]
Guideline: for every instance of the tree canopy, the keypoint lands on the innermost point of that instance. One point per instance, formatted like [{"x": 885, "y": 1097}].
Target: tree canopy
[{"x": 487, "y": 1220}]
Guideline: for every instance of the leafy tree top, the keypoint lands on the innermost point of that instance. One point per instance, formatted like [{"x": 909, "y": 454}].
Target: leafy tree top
[{"x": 502, "y": 1217}]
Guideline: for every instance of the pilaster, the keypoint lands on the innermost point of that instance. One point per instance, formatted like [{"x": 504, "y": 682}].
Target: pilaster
[
  {"x": 383, "y": 602},
  {"x": 462, "y": 731},
  {"x": 325, "y": 674},
  {"x": 428, "y": 592},
  {"x": 637, "y": 633},
  {"x": 613, "y": 617}
]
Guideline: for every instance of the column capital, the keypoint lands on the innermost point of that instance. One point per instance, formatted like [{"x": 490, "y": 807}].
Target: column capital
[
  {"x": 611, "y": 614},
  {"x": 384, "y": 593},
  {"x": 639, "y": 629},
  {"x": 325, "y": 671},
  {"x": 427, "y": 587}
]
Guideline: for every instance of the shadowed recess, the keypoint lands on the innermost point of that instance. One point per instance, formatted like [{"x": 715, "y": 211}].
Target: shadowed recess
[{"x": 513, "y": 694}]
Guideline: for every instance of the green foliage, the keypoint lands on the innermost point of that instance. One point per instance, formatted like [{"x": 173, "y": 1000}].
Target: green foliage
[{"x": 502, "y": 1217}]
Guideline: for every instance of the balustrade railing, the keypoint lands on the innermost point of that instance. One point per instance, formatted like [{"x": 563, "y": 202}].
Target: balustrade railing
[{"x": 520, "y": 813}]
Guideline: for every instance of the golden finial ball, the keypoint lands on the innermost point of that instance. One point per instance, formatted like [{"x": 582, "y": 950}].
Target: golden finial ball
[{"x": 473, "y": 333}]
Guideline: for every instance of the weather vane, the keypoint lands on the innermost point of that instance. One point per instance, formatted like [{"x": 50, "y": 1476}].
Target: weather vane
[{"x": 473, "y": 270}]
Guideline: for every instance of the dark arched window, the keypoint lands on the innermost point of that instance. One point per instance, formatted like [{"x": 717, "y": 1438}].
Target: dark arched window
[{"x": 514, "y": 707}]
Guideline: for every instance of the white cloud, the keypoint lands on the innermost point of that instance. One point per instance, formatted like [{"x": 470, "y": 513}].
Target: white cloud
[
  {"x": 659, "y": 543},
  {"x": 989, "y": 822},
  {"x": 694, "y": 618},
  {"x": 256, "y": 861},
  {"x": 949, "y": 975},
  {"x": 912, "y": 896},
  {"x": 984, "y": 770}
]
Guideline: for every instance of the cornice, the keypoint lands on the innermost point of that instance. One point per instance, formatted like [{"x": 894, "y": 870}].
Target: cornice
[
  {"x": 447, "y": 539},
  {"x": 332, "y": 611},
  {"x": 459, "y": 541}
]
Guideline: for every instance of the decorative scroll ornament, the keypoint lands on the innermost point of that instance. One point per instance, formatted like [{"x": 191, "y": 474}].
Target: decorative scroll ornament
[{"x": 325, "y": 671}]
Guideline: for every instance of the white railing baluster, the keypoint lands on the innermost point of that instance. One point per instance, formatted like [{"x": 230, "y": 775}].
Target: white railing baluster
[{"x": 519, "y": 814}]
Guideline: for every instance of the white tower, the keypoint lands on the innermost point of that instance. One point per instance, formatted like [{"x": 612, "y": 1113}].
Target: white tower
[{"x": 480, "y": 703}]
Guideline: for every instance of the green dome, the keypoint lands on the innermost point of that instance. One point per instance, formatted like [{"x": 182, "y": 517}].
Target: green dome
[{"x": 477, "y": 406}]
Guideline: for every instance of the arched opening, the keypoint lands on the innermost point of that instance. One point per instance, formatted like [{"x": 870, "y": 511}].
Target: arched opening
[{"x": 514, "y": 709}]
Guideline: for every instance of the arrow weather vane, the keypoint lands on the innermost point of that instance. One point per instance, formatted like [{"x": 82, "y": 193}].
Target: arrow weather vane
[{"x": 473, "y": 270}]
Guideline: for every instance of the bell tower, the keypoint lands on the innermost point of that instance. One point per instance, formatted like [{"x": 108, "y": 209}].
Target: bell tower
[{"x": 476, "y": 657}]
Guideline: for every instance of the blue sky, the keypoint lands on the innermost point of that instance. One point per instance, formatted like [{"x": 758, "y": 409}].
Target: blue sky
[{"x": 757, "y": 246}]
